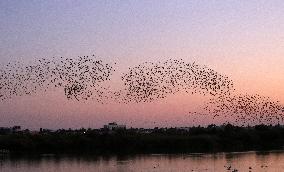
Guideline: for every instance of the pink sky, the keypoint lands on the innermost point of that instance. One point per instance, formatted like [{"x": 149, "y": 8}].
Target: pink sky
[{"x": 241, "y": 39}]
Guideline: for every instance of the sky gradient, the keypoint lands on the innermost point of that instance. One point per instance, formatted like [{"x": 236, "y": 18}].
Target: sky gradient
[{"x": 241, "y": 39}]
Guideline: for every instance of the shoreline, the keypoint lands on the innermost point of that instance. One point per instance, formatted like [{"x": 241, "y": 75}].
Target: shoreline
[{"x": 212, "y": 139}]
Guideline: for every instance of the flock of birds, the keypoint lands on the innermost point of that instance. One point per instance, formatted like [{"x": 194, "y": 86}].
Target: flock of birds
[
  {"x": 246, "y": 109},
  {"x": 148, "y": 82},
  {"x": 83, "y": 78}
]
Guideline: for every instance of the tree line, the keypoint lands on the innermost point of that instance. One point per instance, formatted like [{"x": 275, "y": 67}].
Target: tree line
[{"x": 160, "y": 140}]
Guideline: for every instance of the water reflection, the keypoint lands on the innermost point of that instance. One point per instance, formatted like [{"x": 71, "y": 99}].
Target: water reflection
[{"x": 246, "y": 161}]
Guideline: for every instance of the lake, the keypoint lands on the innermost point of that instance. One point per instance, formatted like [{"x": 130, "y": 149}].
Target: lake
[{"x": 242, "y": 162}]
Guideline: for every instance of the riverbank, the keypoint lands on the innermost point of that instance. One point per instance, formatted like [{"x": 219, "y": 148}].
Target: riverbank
[{"x": 165, "y": 140}]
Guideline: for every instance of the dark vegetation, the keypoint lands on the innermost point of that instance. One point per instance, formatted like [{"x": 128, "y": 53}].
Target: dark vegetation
[{"x": 166, "y": 140}]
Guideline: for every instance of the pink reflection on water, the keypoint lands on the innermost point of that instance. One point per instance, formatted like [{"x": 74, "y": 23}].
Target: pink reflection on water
[{"x": 246, "y": 161}]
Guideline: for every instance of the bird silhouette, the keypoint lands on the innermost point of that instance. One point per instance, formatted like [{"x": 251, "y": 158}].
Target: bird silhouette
[
  {"x": 246, "y": 109},
  {"x": 148, "y": 81},
  {"x": 81, "y": 78}
]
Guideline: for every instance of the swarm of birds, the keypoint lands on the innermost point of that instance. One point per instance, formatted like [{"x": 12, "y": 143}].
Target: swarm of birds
[
  {"x": 80, "y": 78},
  {"x": 151, "y": 81},
  {"x": 246, "y": 109}
]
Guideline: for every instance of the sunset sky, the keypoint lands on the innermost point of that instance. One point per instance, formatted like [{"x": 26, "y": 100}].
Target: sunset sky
[{"x": 241, "y": 39}]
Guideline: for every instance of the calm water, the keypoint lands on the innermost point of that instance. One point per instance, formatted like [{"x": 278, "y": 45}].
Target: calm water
[{"x": 243, "y": 162}]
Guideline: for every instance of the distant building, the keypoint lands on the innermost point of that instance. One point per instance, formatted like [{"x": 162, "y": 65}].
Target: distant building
[
  {"x": 145, "y": 131},
  {"x": 183, "y": 128},
  {"x": 16, "y": 128},
  {"x": 5, "y": 130},
  {"x": 114, "y": 126}
]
